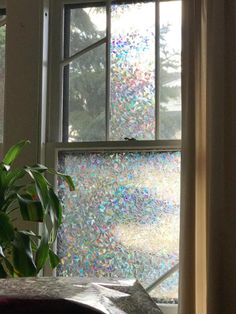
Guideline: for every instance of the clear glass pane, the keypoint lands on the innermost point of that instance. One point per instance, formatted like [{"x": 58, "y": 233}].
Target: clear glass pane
[
  {"x": 167, "y": 291},
  {"x": 87, "y": 26},
  {"x": 170, "y": 69},
  {"x": 132, "y": 108},
  {"x": 2, "y": 77},
  {"x": 123, "y": 219},
  {"x": 87, "y": 96}
]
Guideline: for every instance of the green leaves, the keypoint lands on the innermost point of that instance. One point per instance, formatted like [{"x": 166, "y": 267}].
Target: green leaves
[
  {"x": 41, "y": 185},
  {"x": 43, "y": 249},
  {"x": 6, "y": 229},
  {"x": 23, "y": 261},
  {"x": 65, "y": 177},
  {"x": 54, "y": 259},
  {"x": 3, "y": 273},
  {"x": 22, "y": 252},
  {"x": 55, "y": 212},
  {"x": 13, "y": 152},
  {"x": 31, "y": 210}
]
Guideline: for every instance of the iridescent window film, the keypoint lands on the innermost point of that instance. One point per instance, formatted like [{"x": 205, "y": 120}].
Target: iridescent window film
[
  {"x": 123, "y": 219},
  {"x": 132, "y": 73}
]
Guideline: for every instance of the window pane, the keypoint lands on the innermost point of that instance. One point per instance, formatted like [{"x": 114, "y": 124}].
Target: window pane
[
  {"x": 87, "y": 96},
  {"x": 132, "y": 109},
  {"x": 167, "y": 291},
  {"x": 123, "y": 218},
  {"x": 170, "y": 70},
  {"x": 2, "y": 77},
  {"x": 87, "y": 26}
]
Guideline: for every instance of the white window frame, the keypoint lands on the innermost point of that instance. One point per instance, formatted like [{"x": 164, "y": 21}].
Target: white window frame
[{"x": 54, "y": 143}]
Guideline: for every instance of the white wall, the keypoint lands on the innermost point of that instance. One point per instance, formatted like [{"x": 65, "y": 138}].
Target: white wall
[{"x": 22, "y": 114}]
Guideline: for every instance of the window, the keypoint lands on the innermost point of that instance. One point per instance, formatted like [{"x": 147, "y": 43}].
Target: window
[
  {"x": 121, "y": 77},
  {"x": 116, "y": 128}
]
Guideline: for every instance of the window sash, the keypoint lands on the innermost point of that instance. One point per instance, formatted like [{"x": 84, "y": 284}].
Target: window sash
[
  {"x": 67, "y": 59},
  {"x": 56, "y": 78}
]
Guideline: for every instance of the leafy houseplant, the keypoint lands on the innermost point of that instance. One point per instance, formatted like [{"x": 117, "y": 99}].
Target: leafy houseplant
[{"x": 22, "y": 252}]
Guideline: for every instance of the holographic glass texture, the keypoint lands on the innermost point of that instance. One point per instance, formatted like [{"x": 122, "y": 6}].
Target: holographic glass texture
[
  {"x": 123, "y": 218},
  {"x": 132, "y": 72}
]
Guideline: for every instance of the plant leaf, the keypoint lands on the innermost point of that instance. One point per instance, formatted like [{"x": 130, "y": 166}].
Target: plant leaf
[
  {"x": 1, "y": 252},
  {"x": 6, "y": 229},
  {"x": 14, "y": 175},
  {"x": 65, "y": 177},
  {"x": 55, "y": 206},
  {"x": 42, "y": 251},
  {"x": 3, "y": 274},
  {"x": 30, "y": 233},
  {"x": 55, "y": 211},
  {"x": 41, "y": 184},
  {"x": 13, "y": 152},
  {"x": 38, "y": 167},
  {"x": 10, "y": 269},
  {"x": 54, "y": 259},
  {"x": 31, "y": 210},
  {"x": 23, "y": 261}
]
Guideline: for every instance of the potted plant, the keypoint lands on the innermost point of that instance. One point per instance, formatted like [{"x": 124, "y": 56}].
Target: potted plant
[{"x": 24, "y": 253}]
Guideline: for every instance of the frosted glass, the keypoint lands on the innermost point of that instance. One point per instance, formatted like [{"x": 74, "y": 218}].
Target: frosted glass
[{"x": 123, "y": 218}]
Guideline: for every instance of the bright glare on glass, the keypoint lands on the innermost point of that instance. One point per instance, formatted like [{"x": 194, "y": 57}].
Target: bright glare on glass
[
  {"x": 170, "y": 70},
  {"x": 132, "y": 103}
]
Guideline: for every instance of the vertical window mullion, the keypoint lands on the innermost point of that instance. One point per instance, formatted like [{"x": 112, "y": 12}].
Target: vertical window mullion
[
  {"x": 108, "y": 65},
  {"x": 66, "y": 74},
  {"x": 157, "y": 71}
]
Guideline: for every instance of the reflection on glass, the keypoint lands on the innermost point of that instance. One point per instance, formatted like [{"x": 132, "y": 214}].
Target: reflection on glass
[
  {"x": 87, "y": 26},
  {"x": 87, "y": 96},
  {"x": 123, "y": 219},
  {"x": 132, "y": 108},
  {"x": 170, "y": 69}
]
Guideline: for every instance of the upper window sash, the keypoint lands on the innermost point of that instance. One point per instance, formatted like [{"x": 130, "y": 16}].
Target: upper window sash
[{"x": 59, "y": 57}]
